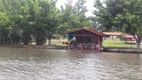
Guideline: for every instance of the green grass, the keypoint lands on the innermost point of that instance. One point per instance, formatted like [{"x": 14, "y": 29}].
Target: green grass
[
  {"x": 57, "y": 42},
  {"x": 117, "y": 44},
  {"x": 54, "y": 42},
  {"x": 106, "y": 43}
]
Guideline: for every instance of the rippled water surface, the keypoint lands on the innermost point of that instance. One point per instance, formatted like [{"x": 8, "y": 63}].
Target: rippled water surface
[{"x": 38, "y": 64}]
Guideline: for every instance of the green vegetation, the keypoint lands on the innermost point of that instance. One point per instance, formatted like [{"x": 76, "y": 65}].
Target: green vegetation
[
  {"x": 58, "y": 42},
  {"x": 120, "y": 15},
  {"x": 22, "y": 21},
  {"x": 73, "y": 17},
  {"x": 25, "y": 21},
  {"x": 106, "y": 43},
  {"x": 117, "y": 44}
]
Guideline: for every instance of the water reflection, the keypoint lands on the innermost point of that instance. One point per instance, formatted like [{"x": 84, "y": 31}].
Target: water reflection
[{"x": 38, "y": 64}]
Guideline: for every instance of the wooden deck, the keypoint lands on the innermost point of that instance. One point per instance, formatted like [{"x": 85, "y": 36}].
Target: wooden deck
[{"x": 84, "y": 47}]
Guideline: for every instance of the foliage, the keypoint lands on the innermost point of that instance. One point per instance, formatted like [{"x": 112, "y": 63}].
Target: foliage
[
  {"x": 4, "y": 29},
  {"x": 22, "y": 21},
  {"x": 73, "y": 17},
  {"x": 120, "y": 15},
  {"x": 117, "y": 44}
]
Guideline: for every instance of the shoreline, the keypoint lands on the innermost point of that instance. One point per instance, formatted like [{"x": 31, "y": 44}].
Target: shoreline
[
  {"x": 36, "y": 46},
  {"x": 105, "y": 49},
  {"x": 122, "y": 50}
]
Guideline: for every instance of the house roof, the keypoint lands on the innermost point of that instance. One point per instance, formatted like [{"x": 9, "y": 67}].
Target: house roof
[
  {"x": 113, "y": 33},
  {"x": 128, "y": 36},
  {"x": 90, "y": 30}
]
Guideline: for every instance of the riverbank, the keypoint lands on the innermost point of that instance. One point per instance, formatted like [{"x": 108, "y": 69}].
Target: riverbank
[
  {"x": 36, "y": 46},
  {"x": 45, "y": 47},
  {"x": 105, "y": 49},
  {"x": 122, "y": 50}
]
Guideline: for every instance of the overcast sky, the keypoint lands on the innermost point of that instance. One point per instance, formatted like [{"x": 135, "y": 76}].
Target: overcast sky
[{"x": 89, "y": 4}]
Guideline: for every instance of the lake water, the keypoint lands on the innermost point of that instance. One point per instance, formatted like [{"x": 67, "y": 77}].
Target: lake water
[{"x": 38, "y": 64}]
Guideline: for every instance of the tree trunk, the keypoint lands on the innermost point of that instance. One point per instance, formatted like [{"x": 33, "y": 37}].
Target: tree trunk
[
  {"x": 49, "y": 40},
  {"x": 139, "y": 37},
  {"x": 40, "y": 37},
  {"x": 26, "y": 40},
  {"x": 61, "y": 39},
  {"x": 138, "y": 41},
  {"x": 40, "y": 40}
]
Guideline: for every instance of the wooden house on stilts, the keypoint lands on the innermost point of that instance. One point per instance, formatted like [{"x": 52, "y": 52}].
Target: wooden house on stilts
[{"x": 85, "y": 39}]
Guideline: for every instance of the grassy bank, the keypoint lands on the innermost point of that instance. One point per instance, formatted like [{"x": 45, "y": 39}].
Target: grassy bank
[
  {"x": 57, "y": 42},
  {"x": 106, "y": 43},
  {"x": 117, "y": 44}
]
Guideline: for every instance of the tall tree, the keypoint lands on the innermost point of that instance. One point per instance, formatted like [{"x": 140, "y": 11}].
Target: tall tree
[
  {"x": 18, "y": 13},
  {"x": 37, "y": 18},
  {"x": 121, "y": 15},
  {"x": 73, "y": 17},
  {"x": 47, "y": 22},
  {"x": 4, "y": 29}
]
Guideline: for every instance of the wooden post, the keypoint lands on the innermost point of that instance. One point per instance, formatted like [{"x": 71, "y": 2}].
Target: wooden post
[
  {"x": 81, "y": 46},
  {"x": 98, "y": 43},
  {"x": 68, "y": 44},
  {"x": 126, "y": 40}
]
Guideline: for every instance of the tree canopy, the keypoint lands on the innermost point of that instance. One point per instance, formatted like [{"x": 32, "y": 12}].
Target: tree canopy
[
  {"x": 22, "y": 21},
  {"x": 73, "y": 17},
  {"x": 120, "y": 15}
]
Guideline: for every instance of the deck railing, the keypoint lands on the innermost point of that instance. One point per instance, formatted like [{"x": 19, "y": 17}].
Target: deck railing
[{"x": 84, "y": 47}]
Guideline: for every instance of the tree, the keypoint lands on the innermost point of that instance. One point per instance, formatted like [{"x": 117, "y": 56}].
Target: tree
[
  {"x": 47, "y": 22},
  {"x": 121, "y": 15},
  {"x": 73, "y": 17},
  {"x": 18, "y": 13},
  {"x": 23, "y": 20},
  {"x": 37, "y": 18},
  {"x": 4, "y": 29}
]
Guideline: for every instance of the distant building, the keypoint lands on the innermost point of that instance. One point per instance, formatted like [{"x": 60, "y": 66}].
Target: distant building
[
  {"x": 129, "y": 38},
  {"x": 112, "y": 35},
  {"x": 85, "y": 39}
]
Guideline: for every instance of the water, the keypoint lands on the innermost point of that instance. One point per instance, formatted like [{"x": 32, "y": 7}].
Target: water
[{"x": 38, "y": 64}]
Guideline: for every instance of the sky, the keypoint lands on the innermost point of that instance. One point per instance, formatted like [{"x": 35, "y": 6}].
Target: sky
[{"x": 89, "y": 4}]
